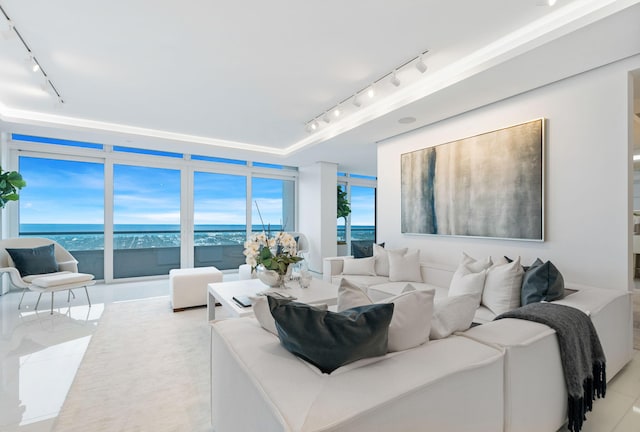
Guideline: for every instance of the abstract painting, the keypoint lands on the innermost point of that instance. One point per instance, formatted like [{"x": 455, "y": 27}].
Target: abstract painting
[{"x": 488, "y": 185}]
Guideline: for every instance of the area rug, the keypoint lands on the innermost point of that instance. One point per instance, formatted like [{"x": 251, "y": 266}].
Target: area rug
[{"x": 146, "y": 369}]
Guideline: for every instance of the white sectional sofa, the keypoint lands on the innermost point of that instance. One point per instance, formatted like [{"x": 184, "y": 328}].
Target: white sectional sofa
[{"x": 503, "y": 375}]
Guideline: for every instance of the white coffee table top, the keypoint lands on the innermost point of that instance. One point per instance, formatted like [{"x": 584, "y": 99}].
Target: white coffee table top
[{"x": 319, "y": 292}]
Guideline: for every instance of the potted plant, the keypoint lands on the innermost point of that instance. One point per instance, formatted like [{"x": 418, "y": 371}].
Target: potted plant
[{"x": 10, "y": 183}]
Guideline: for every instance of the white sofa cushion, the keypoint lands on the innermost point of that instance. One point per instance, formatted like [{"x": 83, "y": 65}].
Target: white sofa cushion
[
  {"x": 476, "y": 265},
  {"x": 465, "y": 281},
  {"x": 359, "y": 266},
  {"x": 404, "y": 267},
  {"x": 451, "y": 315},
  {"x": 502, "y": 287},
  {"x": 382, "y": 258},
  {"x": 411, "y": 322}
]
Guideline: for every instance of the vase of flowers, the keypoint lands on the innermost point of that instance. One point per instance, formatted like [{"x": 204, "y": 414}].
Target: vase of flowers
[{"x": 271, "y": 256}]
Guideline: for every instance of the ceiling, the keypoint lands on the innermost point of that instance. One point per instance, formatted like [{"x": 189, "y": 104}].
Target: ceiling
[{"x": 231, "y": 78}]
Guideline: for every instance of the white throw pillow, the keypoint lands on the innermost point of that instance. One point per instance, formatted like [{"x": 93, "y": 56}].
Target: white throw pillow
[
  {"x": 475, "y": 265},
  {"x": 351, "y": 295},
  {"x": 404, "y": 267},
  {"x": 382, "y": 259},
  {"x": 464, "y": 281},
  {"x": 412, "y": 312},
  {"x": 411, "y": 321},
  {"x": 359, "y": 266},
  {"x": 452, "y": 314},
  {"x": 262, "y": 312},
  {"x": 502, "y": 287}
]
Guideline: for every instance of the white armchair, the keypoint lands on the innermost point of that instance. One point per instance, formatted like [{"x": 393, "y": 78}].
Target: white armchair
[{"x": 65, "y": 279}]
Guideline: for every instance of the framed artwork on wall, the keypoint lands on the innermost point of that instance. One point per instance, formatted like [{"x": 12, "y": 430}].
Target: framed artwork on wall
[{"x": 488, "y": 185}]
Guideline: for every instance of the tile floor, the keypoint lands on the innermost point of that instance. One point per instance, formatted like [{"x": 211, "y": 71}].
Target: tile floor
[{"x": 40, "y": 353}]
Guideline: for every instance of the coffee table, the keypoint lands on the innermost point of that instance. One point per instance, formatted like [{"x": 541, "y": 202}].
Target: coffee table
[{"x": 318, "y": 292}]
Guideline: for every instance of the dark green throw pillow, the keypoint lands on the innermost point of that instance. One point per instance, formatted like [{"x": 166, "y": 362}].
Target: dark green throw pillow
[
  {"x": 327, "y": 339},
  {"x": 39, "y": 260},
  {"x": 542, "y": 282}
]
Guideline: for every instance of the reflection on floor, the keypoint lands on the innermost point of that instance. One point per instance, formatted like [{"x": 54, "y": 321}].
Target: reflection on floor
[{"x": 40, "y": 354}]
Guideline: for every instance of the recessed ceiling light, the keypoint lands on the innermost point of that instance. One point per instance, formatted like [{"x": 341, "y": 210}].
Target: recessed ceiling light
[
  {"x": 371, "y": 92},
  {"x": 407, "y": 120},
  {"x": 551, "y": 2},
  {"x": 336, "y": 112}
]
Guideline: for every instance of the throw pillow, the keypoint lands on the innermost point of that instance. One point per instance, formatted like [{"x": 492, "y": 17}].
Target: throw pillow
[
  {"x": 39, "y": 260},
  {"x": 452, "y": 314},
  {"x": 542, "y": 282},
  {"x": 464, "y": 281},
  {"x": 382, "y": 258},
  {"x": 502, "y": 287},
  {"x": 475, "y": 265},
  {"x": 327, "y": 339},
  {"x": 411, "y": 322},
  {"x": 359, "y": 266},
  {"x": 362, "y": 250},
  {"x": 404, "y": 267},
  {"x": 261, "y": 310}
]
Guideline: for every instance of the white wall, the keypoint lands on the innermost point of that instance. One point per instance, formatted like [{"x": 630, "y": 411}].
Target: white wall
[{"x": 588, "y": 177}]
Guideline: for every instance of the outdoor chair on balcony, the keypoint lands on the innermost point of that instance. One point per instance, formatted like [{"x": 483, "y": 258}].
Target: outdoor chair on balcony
[{"x": 41, "y": 265}]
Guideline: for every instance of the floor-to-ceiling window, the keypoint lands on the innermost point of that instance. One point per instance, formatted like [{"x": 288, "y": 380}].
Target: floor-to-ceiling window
[
  {"x": 273, "y": 204},
  {"x": 363, "y": 214},
  {"x": 219, "y": 215},
  {"x": 357, "y": 231},
  {"x": 146, "y": 221},
  {"x": 64, "y": 201},
  {"x": 126, "y": 212}
]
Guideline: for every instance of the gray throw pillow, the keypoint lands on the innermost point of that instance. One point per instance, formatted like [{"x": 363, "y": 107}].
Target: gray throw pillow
[
  {"x": 542, "y": 282},
  {"x": 327, "y": 339},
  {"x": 33, "y": 261}
]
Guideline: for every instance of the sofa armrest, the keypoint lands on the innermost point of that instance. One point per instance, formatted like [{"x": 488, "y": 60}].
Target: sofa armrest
[{"x": 332, "y": 266}]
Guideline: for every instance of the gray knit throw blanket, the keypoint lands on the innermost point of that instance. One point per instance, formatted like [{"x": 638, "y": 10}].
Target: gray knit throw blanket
[{"x": 583, "y": 360}]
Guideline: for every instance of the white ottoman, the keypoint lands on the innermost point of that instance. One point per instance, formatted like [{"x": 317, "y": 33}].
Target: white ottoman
[{"x": 188, "y": 287}]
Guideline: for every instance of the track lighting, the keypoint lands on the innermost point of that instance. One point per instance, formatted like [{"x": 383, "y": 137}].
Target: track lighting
[
  {"x": 9, "y": 32},
  {"x": 33, "y": 62},
  {"x": 421, "y": 65},
  {"x": 342, "y": 109},
  {"x": 394, "y": 79}
]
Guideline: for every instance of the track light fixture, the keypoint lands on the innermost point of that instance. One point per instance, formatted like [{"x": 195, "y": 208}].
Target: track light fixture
[
  {"x": 394, "y": 79},
  {"x": 421, "y": 65},
  {"x": 32, "y": 60},
  {"x": 342, "y": 108}
]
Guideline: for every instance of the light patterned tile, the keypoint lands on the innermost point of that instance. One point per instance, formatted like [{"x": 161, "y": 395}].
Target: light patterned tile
[{"x": 631, "y": 421}]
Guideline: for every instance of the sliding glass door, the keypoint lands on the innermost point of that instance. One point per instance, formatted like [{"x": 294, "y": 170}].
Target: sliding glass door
[
  {"x": 64, "y": 201},
  {"x": 146, "y": 218},
  {"x": 219, "y": 217}
]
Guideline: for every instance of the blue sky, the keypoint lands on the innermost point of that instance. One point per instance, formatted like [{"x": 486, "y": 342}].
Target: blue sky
[{"x": 69, "y": 192}]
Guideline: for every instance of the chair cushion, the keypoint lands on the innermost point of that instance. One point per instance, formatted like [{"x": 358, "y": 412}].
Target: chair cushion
[
  {"x": 38, "y": 260},
  {"x": 327, "y": 339},
  {"x": 61, "y": 279}
]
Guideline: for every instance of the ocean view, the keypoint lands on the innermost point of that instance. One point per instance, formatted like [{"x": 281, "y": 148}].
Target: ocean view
[{"x": 135, "y": 236}]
